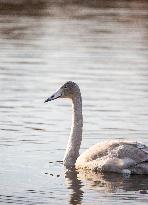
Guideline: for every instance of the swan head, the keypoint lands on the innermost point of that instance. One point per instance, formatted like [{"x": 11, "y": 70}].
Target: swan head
[{"x": 68, "y": 90}]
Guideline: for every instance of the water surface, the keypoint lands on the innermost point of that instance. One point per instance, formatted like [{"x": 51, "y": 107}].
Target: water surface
[{"x": 103, "y": 46}]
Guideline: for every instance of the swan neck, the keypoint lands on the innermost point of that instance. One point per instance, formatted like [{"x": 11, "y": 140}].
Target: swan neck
[
  {"x": 75, "y": 138},
  {"x": 77, "y": 111}
]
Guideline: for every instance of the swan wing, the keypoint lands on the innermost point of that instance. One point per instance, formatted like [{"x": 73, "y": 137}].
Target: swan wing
[{"x": 113, "y": 156}]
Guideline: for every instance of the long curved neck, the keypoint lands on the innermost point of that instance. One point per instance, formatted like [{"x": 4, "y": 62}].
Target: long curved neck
[{"x": 75, "y": 138}]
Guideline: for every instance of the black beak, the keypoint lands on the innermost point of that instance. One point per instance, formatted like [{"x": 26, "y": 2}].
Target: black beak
[
  {"x": 53, "y": 97},
  {"x": 49, "y": 99},
  {"x": 46, "y": 100}
]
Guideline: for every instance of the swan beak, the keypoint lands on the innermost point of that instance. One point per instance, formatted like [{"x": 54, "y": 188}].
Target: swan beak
[{"x": 56, "y": 95}]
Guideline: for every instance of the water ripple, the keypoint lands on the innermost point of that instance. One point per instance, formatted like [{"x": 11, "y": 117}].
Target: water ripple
[{"x": 102, "y": 45}]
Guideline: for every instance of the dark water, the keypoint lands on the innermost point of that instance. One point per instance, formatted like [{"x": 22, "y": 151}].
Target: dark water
[{"x": 103, "y": 46}]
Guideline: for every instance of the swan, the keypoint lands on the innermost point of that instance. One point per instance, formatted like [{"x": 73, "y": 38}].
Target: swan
[{"x": 119, "y": 156}]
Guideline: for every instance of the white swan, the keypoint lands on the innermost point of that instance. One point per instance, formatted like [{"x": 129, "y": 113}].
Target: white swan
[{"x": 112, "y": 156}]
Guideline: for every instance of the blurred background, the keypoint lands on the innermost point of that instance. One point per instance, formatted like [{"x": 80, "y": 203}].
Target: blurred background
[{"x": 100, "y": 44}]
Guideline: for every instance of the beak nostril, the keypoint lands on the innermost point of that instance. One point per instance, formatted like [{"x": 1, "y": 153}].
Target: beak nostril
[{"x": 52, "y": 96}]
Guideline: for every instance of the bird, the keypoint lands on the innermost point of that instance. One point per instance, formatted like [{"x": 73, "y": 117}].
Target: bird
[{"x": 117, "y": 156}]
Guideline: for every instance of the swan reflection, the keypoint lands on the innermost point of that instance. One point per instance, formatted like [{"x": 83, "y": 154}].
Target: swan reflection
[
  {"x": 112, "y": 182},
  {"x": 75, "y": 185},
  {"x": 107, "y": 182}
]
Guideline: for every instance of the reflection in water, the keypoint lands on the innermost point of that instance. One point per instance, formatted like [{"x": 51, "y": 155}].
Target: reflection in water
[
  {"x": 75, "y": 186},
  {"x": 111, "y": 182},
  {"x": 108, "y": 182}
]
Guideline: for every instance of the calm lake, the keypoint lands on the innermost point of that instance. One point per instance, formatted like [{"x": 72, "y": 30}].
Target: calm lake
[{"x": 101, "y": 45}]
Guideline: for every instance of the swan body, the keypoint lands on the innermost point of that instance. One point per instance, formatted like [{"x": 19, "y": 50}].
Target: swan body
[{"x": 117, "y": 156}]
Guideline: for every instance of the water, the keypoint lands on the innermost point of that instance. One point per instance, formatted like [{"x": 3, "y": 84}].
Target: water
[{"x": 103, "y": 46}]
